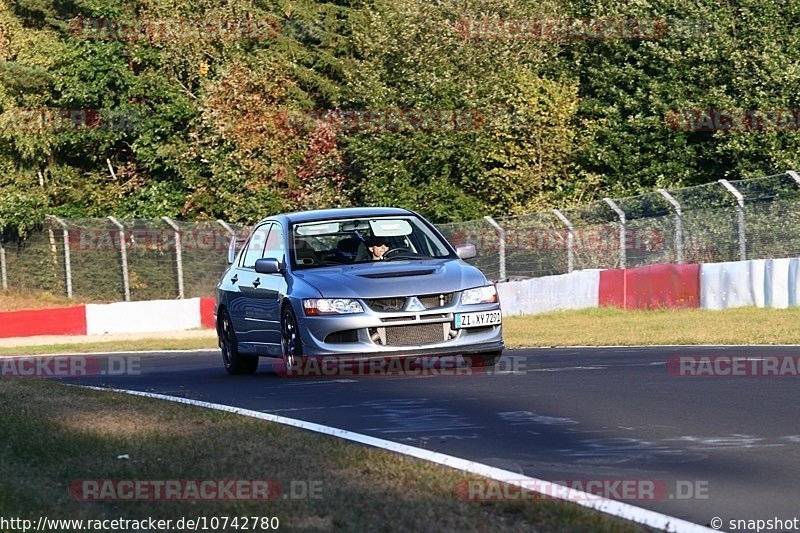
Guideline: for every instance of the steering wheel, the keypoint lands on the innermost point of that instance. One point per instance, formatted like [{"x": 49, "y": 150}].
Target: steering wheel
[{"x": 399, "y": 249}]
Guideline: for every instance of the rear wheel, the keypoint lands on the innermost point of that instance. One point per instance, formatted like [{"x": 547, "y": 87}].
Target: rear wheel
[
  {"x": 233, "y": 361},
  {"x": 482, "y": 360},
  {"x": 291, "y": 346}
]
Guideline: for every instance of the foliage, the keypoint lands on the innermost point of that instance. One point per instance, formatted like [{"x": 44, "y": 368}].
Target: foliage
[{"x": 235, "y": 128}]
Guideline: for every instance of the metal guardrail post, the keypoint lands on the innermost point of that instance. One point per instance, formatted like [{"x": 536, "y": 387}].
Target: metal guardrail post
[
  {"x": 178, "y": 254},
  {"x": 53, "y": 250},
  {"x": 123, "y": 250},
  {"x": 623, "y": 244},
  {"x": 227, "y": 227},
  {"x": 678, "y": 224},
  {"x": 501, "y": 235},
  {"x": 740, "y": 211},
  {"x": 3, "y": 273},
  {"x": 570, "y": 239},
  {"x": 67, "y": 257},
  {"x": 232, "y": 247}
]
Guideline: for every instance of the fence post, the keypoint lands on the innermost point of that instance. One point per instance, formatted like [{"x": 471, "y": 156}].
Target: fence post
[
  {"x": 678, "y": 224},
  {"x": 501, "y": 235},
  {"x": 740, "y": 211},
  {"x": 123, "y": 250},
  {"x": 67, "y": 257},
  {"x": 623, "y": 244},
  {"x": 570, "y": 239},
  {"x": 178, "y": 254},
  {"x": 53, "y": 250},
  {"x": 227, "y": 227},
  {"x": 3, "y": 273}
]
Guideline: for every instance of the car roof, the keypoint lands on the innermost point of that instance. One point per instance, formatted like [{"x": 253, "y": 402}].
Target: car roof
[{"x": 346, "y": 212}]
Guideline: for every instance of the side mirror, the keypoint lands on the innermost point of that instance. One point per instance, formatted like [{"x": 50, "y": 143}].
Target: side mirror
[
  {"x": 268, "y": 265},
  {"x": 466, "y": 251}
]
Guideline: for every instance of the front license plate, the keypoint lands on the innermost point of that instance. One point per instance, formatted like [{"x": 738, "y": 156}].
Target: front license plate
[{"x": 475, "y": 320}]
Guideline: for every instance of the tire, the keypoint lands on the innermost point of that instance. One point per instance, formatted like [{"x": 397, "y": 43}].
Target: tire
[
  {"x": 482, "y": 360},
  {"x": 233, "y": 361},
  {"x": 291, "y": 345}
]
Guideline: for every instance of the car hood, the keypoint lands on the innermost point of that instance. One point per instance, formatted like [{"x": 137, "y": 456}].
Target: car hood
[{"x": 381, "y": 279}]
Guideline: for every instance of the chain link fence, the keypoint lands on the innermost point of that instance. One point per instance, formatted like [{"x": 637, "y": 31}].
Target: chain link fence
[
  {"x": 733, "y": 220},
  {"x": 106, "y": 259}
]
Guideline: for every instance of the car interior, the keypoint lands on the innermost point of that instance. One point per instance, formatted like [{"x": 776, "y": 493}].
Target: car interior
[{"x": 339, "y": 249}]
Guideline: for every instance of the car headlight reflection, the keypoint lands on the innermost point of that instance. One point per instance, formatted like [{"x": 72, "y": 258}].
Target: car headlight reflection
[
  {"x": 479, "y": 295},
  {"x": 331, "y": 306}
]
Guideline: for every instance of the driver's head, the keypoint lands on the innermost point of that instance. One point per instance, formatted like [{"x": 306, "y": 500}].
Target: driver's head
[{"x": 377, "y": 246}]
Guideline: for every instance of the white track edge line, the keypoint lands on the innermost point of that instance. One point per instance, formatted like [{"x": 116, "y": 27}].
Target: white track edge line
[{"x": 592, "y": 501}]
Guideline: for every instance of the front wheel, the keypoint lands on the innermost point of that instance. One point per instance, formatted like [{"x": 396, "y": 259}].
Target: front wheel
[
  {"x": 291, "y": 346},
  {"x": 233, "y": 361},
  {"x": 482, "y": 360}
]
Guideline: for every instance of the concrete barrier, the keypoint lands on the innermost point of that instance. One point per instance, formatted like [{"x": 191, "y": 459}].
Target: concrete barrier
[
  {"x": 577, "y": 290},
  {"x": 759, "y": 283}
]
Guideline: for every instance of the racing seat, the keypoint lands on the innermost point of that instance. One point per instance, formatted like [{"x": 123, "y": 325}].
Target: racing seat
[
  {"x": 362, "y": 254},
  {"x": 349, "y": 245},
  {"x": 304, "y": 253}
]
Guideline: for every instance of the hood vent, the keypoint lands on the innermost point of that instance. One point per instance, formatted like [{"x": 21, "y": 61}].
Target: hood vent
[{"x": 401, "y": 274}]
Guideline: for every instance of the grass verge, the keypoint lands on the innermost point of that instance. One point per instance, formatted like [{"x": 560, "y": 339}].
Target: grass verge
[
  {"x": 113, "y": 346},
  {"x": 53, "y": 435},
  {"x": 611, "y": 326},
  {"x": 17, "y": 299}
]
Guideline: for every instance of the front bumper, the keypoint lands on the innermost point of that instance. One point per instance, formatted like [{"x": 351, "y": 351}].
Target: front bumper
[{"x": 366, "y": 333}]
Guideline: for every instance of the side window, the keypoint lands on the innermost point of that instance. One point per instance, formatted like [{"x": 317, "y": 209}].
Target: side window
[
  {"x": 275, "y": 248},
  {"x": 254, "y": 249}
]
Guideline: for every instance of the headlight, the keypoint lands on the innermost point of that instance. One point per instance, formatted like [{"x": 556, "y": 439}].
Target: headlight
[
  {"x": 479, "y": 295},
  {"x": 331, "y": 306}
]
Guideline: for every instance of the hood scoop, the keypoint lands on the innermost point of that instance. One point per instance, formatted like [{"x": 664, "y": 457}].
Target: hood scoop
[{"x": 399, "y": 274}]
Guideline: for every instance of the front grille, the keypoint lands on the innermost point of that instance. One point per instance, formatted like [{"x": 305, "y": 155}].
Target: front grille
[
  {"x": 432, "y": 301},
  {"x": 386, "y": 304},
  {"x": 429, "y": 301},
  {"x": 398, "y": 318},
  {"x": 436, "y": 316},
  {"x": 411, "y": 335}
]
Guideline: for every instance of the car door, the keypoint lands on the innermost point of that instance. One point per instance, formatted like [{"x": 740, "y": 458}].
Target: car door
[
  {"x": 270, "y": 293},
  {"x": 242, "y": 302},
  {"x": 267, "y": 295}
]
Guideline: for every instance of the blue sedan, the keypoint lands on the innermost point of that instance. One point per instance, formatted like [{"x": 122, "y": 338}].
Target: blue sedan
[{"x": 354, "y": 283}]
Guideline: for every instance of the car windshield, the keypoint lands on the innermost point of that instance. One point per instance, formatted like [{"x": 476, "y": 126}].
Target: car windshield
[{"x": 361, "y": 240}]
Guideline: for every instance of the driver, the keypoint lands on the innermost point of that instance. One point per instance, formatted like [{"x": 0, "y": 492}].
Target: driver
[{"x": 377, "y": 246}]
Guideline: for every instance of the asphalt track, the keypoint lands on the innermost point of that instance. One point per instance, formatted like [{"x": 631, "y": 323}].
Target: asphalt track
[{"x": 723, "y": 447}]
